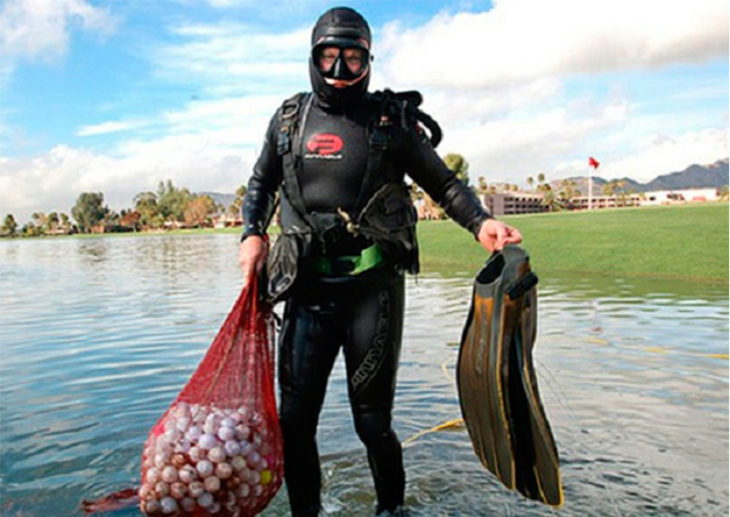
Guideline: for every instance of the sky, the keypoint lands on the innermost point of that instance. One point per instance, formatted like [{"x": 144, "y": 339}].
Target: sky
[{"x": 115, "y": 96}]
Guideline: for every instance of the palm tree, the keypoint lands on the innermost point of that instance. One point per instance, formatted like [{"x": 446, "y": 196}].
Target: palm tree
[
  {"x": 66, "y": 222},
  {"x": 458, "y": 164},
  {"x": 621, "y": 184},
  {"x": 608, "y": 189},
  {"x": 235, "y": 206},
  {"x": 481, "y": 185},
  {"x": 530, "y": 181},
  {"x": 52, "y": 221},
  {"x": 550, "y": 200},
  {"x": 39, "y": 220},
  {"x": 10, "y": 226}
]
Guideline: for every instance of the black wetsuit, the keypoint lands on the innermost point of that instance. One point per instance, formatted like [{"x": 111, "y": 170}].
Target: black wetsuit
[{"x": 363, "y": 313}]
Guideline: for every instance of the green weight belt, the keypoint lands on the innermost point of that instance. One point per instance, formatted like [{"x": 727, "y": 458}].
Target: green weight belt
[{"x": 368, "y": 258}]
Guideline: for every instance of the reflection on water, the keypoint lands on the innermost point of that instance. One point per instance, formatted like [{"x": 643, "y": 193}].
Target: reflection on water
[{"x": 99, "y": 334}]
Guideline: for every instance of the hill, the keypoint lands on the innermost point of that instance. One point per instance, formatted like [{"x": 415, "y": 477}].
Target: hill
[{"x": 713, "y": 175}]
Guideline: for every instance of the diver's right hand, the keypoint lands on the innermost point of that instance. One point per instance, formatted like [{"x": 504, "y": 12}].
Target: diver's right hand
[{"x": 252, "y": 255}]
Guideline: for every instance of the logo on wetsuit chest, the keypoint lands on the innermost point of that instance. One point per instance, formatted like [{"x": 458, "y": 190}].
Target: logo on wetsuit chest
[{"x": 324, "y": 146}]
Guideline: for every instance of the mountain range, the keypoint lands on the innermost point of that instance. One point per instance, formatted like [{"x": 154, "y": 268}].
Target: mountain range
[{"x": 714, "y": 175}]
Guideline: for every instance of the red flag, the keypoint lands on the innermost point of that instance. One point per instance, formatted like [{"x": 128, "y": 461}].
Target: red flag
[{"x": 593, "y": 162}]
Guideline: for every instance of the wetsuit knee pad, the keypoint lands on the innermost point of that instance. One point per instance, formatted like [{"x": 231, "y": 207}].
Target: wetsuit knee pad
[{"x": 372, "y": 426}]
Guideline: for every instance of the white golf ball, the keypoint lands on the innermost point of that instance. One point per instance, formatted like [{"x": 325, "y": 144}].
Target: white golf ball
[
  {"x": 226, "y": 433},
  {"x": 168, "y": 505},
  {"x": 232, "y": 448},
  {"x": 212, "y": 484},
  {"x": 207, "y": 441},
  {"x": 188, "y": 474},
  {"x": 196, "y": 454},
  {"x": 169, "y": 474},
  {"x": 217, "y": 454},
  {"x": 205, "y": 468},
  {"x": 196, "y": 489},
  {"x": 205, "y": 499},
  {"x": 223, "y": 470}
]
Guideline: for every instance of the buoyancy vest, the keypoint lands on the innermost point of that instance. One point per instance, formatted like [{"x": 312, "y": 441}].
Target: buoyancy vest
[{"x": 384, "y": 214}]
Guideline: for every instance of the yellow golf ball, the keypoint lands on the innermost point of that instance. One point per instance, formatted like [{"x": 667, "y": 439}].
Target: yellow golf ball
[{"x": 265, "y": 477}]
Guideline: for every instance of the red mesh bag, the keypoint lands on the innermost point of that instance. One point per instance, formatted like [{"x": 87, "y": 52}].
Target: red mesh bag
[{"x": 217, "y": 450}]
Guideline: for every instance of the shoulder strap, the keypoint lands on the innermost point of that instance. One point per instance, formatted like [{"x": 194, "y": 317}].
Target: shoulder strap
[
  {"x": 294, "y": 113},
  {"x": 378, "y": 137}
]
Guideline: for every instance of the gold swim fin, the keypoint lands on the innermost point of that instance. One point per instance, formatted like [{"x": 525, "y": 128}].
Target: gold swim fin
[{"x": 496, "y": 380}]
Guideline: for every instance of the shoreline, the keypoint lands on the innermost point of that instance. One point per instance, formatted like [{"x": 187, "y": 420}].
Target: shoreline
[{"x": 658, "y": 242}]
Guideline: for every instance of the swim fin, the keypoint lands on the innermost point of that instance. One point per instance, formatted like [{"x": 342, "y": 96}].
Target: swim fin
[{"x": 496, "y": 380}]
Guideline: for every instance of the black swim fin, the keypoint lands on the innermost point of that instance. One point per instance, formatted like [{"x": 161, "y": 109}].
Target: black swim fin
[{"x": 496, "y": 380}]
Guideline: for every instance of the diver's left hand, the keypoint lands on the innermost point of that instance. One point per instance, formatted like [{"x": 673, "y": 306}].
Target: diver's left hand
[{"x": 493, "y": 235}]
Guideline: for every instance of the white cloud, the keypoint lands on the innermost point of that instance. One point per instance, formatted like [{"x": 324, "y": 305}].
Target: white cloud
[
  {"x": 109, "y": 127},
  {"x": 508, "y": 152},
  {"x": 663, "y": 153},
  {"x": 520, "y": 40},
  {"x": 239, "y": 119},
  {"x": 235, "y": 57},
  {"x": 40, "y": 28},
  {"x": 497, "y": 81},
  {"x": 512, "y": 148}
]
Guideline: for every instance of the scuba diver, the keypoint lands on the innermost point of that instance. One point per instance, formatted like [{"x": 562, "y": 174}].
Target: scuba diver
[{"x": 336, "y": 158}]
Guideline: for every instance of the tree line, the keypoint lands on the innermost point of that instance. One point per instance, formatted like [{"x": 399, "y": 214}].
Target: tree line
[
  {"x": 172, "y": 207},
  {"x": 168, "y": 207}
]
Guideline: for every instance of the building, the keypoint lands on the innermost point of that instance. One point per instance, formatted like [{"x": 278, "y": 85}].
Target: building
[
  {"x": 512, "y": 203},
  {"x": 509, "y": 203},
  {"x": 658, "y": 197},
  {"x": 227, "y": 220},
  {"x": 667, "y": 197},
  {"x": 581, "y": 202}
]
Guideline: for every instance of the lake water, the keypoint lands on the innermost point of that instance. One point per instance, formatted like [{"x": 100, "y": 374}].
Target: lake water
[{"x": 97, "y": 336}]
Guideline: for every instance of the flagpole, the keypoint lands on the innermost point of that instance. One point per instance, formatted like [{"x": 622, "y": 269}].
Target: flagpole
[
  {"x": 590, "y": 189},
  {"x": 592, "y": 162}
]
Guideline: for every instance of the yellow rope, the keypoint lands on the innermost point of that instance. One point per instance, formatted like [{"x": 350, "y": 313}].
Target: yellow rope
[
  {"x": 446, "y": 371},
  {"x": 457, "y": 423},
  {"x": 662, "y": 350}
]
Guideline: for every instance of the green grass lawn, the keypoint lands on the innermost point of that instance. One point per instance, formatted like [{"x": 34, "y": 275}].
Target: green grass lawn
[{"x": 683, "y": 241}]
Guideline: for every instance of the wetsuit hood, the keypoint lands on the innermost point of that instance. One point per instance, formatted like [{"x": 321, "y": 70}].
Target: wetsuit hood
[{"x": 341, "y": 27}]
